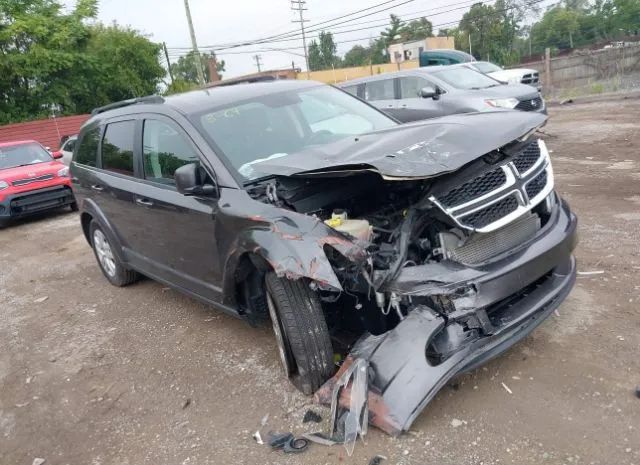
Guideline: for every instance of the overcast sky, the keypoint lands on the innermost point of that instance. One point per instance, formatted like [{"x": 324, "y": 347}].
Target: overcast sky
[{"x": 224, "y": 21}]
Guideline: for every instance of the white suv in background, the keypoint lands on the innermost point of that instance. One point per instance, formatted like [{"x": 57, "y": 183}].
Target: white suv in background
[{"x": 510, "y": 76}]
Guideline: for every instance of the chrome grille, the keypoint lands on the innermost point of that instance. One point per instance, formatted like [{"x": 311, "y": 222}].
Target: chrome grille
[
  {"x": 475, "y": 188},
  {"x": 490, "y": 214},
  {"x": 527, "y": 158},
  {"x": 525, "y": 182},
  {"x": 22, "y": 182},
  {"x": 530, "y": 78},
  {"x": 529, "y": 104},
  {"x": 535, "y": 186}
]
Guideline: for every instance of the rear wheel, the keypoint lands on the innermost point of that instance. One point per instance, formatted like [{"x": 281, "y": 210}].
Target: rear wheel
[
  {"x": 301, "y": 332},
  {"x": 110, "y": 264}
]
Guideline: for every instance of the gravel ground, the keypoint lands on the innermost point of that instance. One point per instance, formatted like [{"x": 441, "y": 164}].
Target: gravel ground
[{"x": 92, "y": 374}]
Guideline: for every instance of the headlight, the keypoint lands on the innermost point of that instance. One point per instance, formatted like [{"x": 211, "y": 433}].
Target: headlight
[
  {"x": 502, "y": 102},
  {"x": 3, "y": 185},
  {"x": 64, "y": 172}
]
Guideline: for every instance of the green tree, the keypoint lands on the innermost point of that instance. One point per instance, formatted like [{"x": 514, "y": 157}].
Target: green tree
[
  {"x": 185, "y": 68},
  {"x": 417, "y": 29},
  {"x": 556, "y": 29},
  {"x": 357, "y": 56},
  {"x": 50, "y": 57},
  {"x": 392, "y": 33},
  {"x": 322, "y": 53}
]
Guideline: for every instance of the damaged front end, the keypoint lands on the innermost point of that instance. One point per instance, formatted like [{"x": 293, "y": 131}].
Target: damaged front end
[{"x": 453, "y": 268}]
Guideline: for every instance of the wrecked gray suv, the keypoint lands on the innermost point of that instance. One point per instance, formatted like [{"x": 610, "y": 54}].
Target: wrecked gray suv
[{"x": 424, "y": 249}]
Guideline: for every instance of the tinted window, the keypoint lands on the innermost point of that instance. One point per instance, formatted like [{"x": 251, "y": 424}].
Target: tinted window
[
  {"x": 88, "y": 148},
  {"x": 117, "y": 147},
  {"x": 410, "y": 86},
  {"x": 379, "y": 90},
  {"x": 164, "y": 150}
]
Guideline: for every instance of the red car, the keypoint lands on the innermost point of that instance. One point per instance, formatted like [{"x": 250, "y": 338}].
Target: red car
[{"x": 32, "y": 180}]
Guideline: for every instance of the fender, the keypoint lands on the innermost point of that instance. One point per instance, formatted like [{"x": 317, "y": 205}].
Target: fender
[
  {"x": 291, "y": 243},
  {"x": 90, "y": 207}
]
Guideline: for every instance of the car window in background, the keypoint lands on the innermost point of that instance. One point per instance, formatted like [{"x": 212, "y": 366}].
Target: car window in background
[
  {"x": 117, "y": 147},
  {"x": 465, "y": 78},
  {"x": 410, "y": 86},
  {"x": 486, "y": 67},
  {"x": 279, "y": 124},
  {"x": 23, "y": 154},
  {"x": 164, "y": 150},
  {"x": 353, "y": 90},
  {"x": 69, "y": 145},
  {"x": 379, "y": 90}
]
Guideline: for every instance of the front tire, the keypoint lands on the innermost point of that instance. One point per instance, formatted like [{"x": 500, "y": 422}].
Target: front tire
[
  {"x": 109, "y": 263},
  {"x": 301, "y": 332}
]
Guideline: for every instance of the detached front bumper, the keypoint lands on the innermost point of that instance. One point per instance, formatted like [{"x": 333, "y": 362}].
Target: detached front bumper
[{"x": 514, "y": 295}]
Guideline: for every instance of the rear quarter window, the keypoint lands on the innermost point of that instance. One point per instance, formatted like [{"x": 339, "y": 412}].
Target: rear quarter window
[
  {"x": 88, "y": 148},
  {"x": 117, "y": 147}
]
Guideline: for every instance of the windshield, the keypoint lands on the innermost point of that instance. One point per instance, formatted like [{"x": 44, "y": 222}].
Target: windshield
[
  {"x": 486, "y": 67},
  {"x": 23, "y": 154},
  {"x": 276, "y": 125},
  {"x": 465, "y": 78}
]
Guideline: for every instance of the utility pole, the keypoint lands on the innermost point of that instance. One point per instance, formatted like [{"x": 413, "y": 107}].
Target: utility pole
[
  {"x": 257, "y": 58},
  {"x": 194, "y": 44},
  {"x": 470, "y": 44},
  {"x": 298, "y": 5},
  {"x": 166, "y": 55}
]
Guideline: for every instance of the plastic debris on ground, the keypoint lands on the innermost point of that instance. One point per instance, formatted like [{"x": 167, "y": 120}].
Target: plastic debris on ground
[
  {"x": 288, "y": 443},
  {"x": 377, "y": 460},
  {"x": 347, "y": 423}
]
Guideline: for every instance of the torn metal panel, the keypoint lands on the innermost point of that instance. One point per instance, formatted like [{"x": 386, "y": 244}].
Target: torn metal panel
[
  {"x": 411, "y": 151},
  {"x": 405, "y": 377}
]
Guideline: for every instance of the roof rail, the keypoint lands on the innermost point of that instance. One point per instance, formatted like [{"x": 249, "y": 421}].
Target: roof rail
[{"x": 131, "y": 101}]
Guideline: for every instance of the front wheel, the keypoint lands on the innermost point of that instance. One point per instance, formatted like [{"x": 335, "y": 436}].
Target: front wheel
[
  {"x": 110, "y": 264},
  {"x": 301, "y": 332}
]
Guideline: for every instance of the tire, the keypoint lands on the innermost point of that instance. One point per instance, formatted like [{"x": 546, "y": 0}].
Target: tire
[
  {"x": 109, "y": 263},
  {"x": 74, "y": 206},
  {"x": 301, "y": 332}
]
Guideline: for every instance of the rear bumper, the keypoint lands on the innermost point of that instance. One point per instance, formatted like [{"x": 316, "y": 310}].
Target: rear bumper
[
  {"x": 38, "y": 200},
  {"x": 514, "y": 295}
]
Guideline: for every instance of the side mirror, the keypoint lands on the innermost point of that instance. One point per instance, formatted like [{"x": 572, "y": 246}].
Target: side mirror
[
  {"x": 56, "y": 155},
  {"x": 429, "y": 92},
  {"x": 190, "y": 180}
]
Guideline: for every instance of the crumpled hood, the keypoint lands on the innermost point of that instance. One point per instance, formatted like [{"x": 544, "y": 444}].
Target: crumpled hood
[{"x": 410, "y": 151}]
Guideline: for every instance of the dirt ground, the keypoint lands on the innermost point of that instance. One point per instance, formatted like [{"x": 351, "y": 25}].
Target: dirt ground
[{"x": 98, "y": 375}]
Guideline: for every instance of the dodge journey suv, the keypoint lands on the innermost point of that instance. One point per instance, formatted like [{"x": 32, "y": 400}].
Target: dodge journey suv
[{"x": 424, "y": 248}]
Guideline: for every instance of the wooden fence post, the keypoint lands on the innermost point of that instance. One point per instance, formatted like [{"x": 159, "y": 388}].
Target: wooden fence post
[{"x": 547, "y": 69}]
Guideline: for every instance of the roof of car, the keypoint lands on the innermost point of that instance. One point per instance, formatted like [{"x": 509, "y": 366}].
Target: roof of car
[
  {"x": 404, "y": 72},
  {"x": 16, "y": 142},
  {"x": 204, "y": 99}
]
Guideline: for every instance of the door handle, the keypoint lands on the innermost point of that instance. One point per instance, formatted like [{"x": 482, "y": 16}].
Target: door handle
[
  {"x": 97, "y": 187},
  {"x": 144, "y": 202}
]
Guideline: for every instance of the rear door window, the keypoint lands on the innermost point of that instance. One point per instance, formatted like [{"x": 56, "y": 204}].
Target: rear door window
[
  {"x": 117, "y": 147},
  {"x": 164, "y": 150},
  {"x": 88, "y": 148},
  {"x": 379, "y": 90}
]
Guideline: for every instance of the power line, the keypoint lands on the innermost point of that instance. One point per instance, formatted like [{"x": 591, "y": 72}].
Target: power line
[
  {"x": 296, "y": 32},
  {"x": 449, "y": 23},
  {"x": 258, "y": 63},
  {"x": 299, "y": 6}
]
